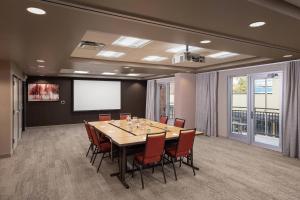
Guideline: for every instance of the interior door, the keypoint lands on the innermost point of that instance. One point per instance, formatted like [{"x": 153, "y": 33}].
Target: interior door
[
  {"x": 266, "y": 95},
  {"x": 15, "y": 112},
  {"x": 20, "y": 105}
]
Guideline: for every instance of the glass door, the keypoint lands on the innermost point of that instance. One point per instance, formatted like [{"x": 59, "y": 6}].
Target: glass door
[
  {"x": 239, "y": 108},
  {"x": 165, "y": 100},
  {"x": 266, "y": 94}
]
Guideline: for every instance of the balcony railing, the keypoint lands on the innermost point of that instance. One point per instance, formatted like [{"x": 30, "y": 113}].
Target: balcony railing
[{"x": 266, "y": 121}]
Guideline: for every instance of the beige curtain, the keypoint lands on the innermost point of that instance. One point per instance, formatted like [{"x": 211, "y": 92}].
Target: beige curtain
[
  {"x": 291, "y": 129},
  {"x": 206, "y": 103},
  {"x": 150, "y": 99}
]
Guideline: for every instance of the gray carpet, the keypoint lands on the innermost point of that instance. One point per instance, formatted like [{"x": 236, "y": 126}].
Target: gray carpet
[{"x": 50, "y": 163}]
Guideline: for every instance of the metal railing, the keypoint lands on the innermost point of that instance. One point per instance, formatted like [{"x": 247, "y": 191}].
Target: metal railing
[{"x": 266, "y": 121}]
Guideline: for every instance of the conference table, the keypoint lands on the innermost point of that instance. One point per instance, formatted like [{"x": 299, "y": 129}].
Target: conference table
[{"x": 129, "y": 133}]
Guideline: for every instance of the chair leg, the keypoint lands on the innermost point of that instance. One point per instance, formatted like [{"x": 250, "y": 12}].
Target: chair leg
[
  {"x": 163, "y": 171},
  {"x": 132, "y": 173},
  {"x": 174, "y": 168},
  {"x": 93, "y": 155},
  {"x": 100, "y": 162},
  {"x": 180, "y": 161},
  {"x": 90, "y": 147},
  {"x": 142, "y": 177},
  {"x": 96, "y": 154},
  {"x": 192, "y": 163}
]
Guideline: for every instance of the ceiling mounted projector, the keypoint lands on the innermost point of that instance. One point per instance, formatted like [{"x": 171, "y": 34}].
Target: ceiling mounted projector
[{"x": 187, "y": 57}]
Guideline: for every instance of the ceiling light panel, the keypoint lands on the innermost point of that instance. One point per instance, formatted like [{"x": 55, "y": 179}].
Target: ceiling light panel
[
  {"x": 132, "y": 74},
  {"x": 131, "y": 42},
  {"x": 223, "y": 54},
  {"x": 81, "y": 72},
  {"x": 205, "y": 41},
  {"x": 155, "y": 58},
  {"x": 108, "y": 73},
  {"x": 110, "y": 54},
  {"x": 182, "y": 48}
]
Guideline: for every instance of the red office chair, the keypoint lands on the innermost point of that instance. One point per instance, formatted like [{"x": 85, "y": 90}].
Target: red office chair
[
  {"x": 183, "y": 149},
  {"x": 101, "y": 147},
  {"x": 152, "y": 155},
  {"x": 104, "y": 117},
  {"x": 89, "y": 136},
  {"x": 123, "y": 116},
  {"x": 163, "y": 119},
  {"x": 179, "y": 123}
]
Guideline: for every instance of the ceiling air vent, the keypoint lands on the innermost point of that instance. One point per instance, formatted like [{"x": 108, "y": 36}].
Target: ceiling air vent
[{"x": 91, "y": 45}]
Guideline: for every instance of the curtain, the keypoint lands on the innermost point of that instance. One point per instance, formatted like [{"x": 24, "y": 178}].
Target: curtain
[
  {"x": 150, "y": 99},
  {"x": 206, "y": 103},
  {"x": 291, "y": 129}
]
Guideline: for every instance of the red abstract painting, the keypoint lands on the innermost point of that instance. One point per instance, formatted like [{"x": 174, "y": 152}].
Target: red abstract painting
[{"x": 43, "y": 92}]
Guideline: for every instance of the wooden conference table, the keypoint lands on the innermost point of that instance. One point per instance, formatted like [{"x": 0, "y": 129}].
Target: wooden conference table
[{"x": 126, "y": 134}]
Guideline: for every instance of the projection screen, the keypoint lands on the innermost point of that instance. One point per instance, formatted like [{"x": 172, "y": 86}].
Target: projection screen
[{"x": 96, "y": 95}]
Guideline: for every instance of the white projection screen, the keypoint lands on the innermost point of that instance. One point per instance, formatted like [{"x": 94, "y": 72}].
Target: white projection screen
[{"x": 91, "y": 95}]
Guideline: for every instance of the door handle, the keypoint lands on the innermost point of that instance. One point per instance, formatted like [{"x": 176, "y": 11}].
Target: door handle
[{"x": 252, "y": 114}]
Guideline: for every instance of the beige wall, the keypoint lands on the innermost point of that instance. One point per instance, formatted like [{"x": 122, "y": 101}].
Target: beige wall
[
  {"x": 7, "y": 70},
  {"x": 223, "y": 90},
  {"x": 5, "y": 109},
  {"x": 185, "y": 96}
]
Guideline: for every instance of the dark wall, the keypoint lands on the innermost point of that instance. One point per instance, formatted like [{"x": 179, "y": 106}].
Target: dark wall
[{"x": 133, "y": 100}]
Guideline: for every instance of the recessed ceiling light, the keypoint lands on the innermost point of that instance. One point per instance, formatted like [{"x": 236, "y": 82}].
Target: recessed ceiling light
[
  {"x": 182, "y": 48},
  {"x": 257, "y": 24},
  {"x": 131, "y": 42},
  {"x": 126, "y": 67},
  {"x": 40, "y": 61},
  {"x": 154, "y": 58},
  {"x": 36, "y": 11},
  {"x": 187, "y": 71},
  {"x": 108, "y": 73},
  {"x": 81, "y": 72},
  {"x": 205, "y": 41},
  {"x": 223, "y": 54},
  {"x": 132, "y": 74},
  {"x": 110, "y": 54},
  {"x": 287, "y": 56},
  {"x": 41, "y": 66}
]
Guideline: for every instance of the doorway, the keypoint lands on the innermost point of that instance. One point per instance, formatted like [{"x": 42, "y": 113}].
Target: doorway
[
  {"x": 255, "y": 109},
  {"x": 165, "y": 100},
  {"x": 17, "y": 110}
]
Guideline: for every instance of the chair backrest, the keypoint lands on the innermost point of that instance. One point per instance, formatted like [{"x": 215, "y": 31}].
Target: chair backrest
[
  {"x": 163, "y": 119},
  {"x": 88, "y": 131},
  {"x": 179, "y": 123},
  {"x": 124, "y": 115},
  {"x": 95, "y": 138},
  {"x": 185, "y": 142},
  {"x": 155, "y": 144},
  {"x": 104, "y": 117}
]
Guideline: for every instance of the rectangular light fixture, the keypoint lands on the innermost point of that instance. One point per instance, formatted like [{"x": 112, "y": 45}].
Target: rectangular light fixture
[
  {"x": 132, "y": 74},
  {"x": 110, "y": 54},
  {"x": 223, "y": 54},
  {"x": 182, "y": 48},
  {"x": 108, "y": 73},
  {"x": 131, "y": 42},
  {"x": 80, "y": 72},
  {"x": 155, "y": 58}
]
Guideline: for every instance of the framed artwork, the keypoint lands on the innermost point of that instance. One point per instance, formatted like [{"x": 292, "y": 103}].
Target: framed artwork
[{"x": 43, "y": 92}]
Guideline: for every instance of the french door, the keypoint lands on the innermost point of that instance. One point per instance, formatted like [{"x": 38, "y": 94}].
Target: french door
[
  {"x": 255, "y": 109},
  {"x": 165, "y": 100}
]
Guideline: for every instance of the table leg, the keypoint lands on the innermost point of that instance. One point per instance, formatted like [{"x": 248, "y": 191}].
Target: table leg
[{"x": 122, "y": 167}]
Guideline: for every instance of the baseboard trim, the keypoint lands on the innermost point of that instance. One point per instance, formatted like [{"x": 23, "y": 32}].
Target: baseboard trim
[{"x": 5, "y": 156}]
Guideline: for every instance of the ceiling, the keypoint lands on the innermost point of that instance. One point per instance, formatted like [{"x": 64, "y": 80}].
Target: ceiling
[{"x": 54, "y": 37}]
